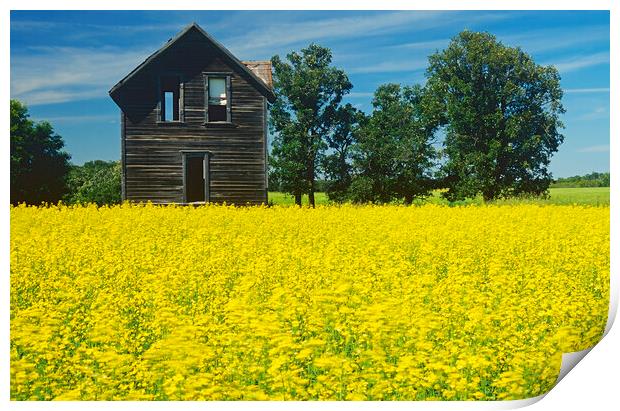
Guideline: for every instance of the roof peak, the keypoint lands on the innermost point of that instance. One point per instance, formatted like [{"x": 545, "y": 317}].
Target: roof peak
[{"x": 258, "y": 81}]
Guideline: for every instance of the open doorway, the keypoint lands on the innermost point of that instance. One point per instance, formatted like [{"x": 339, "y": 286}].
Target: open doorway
[{"x": 196, "y": 177}]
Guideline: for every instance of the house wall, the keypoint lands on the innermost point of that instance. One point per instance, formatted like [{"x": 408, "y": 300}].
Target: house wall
[{"x": 152, "y": 160}]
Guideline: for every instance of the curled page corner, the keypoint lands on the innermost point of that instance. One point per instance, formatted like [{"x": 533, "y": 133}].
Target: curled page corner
[
  {"x": 514, "y": 404},
  {"x": 569, "y": 361}
]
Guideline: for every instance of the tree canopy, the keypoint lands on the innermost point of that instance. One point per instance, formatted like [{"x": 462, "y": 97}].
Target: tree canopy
[
  {"x": 309, "y": 92},
  {"x": 394, "y": 154},
  {"x": 337, "y": 163},
  {"x": 500, "y": 111},
  {"x": 38, "y": 162}
]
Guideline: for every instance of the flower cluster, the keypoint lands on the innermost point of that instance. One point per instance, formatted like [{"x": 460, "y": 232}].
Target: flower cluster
[{"x": 143, "y": 302}]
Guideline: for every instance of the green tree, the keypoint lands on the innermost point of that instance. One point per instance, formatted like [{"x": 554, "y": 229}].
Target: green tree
[
  {"x": 394, "y": 153},
  {"x": 501, "y": 113},
  {"x": 38, "y": 164},
  {"x": 309, "y": 92},
  {"x": 95, "y": 182},
  {"x": 337, "y": 165}
]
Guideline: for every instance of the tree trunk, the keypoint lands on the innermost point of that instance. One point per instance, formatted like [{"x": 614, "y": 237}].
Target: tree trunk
[
  {"x": 311, "y": 181},
  {"x": 298, "y": 199},
  {"x": 488, "y": 196}
]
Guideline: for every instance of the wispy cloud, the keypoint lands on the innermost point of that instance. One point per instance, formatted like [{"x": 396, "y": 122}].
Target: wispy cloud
[
  {"x": 282, "y": 34},
  {"x": 600, "y": 112},
  {"x": 83, "y": 119},
  {"x": 61, "y": 74},
  {"x": 580, "y": 62},
  {"x": 412, "y": 64},
  {"x": 586, "y": 90},
  {"x": 423, "y": 45},
  {"x": 604, "y": 148},
  {"x": 278, "y": 35},
  {"x": 358, "y": 94},
  {"x": 75, "y": 30}
]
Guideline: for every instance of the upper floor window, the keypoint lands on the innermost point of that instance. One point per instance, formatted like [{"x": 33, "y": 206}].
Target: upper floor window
[
  {"x": 170, "y": 100},
  {"x": 218, "y": 98}
]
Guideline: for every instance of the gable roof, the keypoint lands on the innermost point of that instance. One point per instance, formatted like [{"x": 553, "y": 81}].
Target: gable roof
[{"x": 256, "y": 80}]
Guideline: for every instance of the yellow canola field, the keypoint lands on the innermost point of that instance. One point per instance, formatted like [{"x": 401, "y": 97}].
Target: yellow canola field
[{"x": 356, "y": 303}]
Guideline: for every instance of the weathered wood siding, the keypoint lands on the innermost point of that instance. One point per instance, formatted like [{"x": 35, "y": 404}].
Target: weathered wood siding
[{"x": 152, "y": 159}]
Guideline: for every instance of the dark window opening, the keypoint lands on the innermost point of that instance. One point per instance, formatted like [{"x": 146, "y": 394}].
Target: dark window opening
[
  {"x": 219, "y": 99},
  {"x": 170, "y": 98}
]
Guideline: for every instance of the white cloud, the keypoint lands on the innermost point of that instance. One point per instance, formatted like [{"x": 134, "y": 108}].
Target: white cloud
[
  {"x": 82, "y": 119},
  {"x": 412, "y": 64},
  {"x": 586, "y": 90},
  {"x": 358, "y": 94},
  {"x": 604, "y": 148},
  {"x": 61, "y": 74},
  {"x": 75, "y": 30},
  {"x": 579, "y": 62},
  {"x": 277, "y": 35},
  {"x": 423, "y": 45},
  {"x": 283, "y": 34}
]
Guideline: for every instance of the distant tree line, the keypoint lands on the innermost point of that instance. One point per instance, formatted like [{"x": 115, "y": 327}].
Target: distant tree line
[
  {"x": 588, "y": 180},
  {"x": 485, "y": 123},
  {"x": 42, "y": 173}
]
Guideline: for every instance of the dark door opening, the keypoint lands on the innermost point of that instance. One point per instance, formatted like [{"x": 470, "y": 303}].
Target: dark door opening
[{"x": 196, "y": 181}]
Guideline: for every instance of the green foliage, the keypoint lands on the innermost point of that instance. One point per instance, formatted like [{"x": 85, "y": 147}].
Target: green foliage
[
  {"x": 38, "y": 163},
  {"x": 309, "y": 91},
  {"x": 501, "y": 113},
  {"x": 394, "y": 154},
  {"x": 95, "y": 182},
  {"x": 589, "y": 180},
  {"x": 337, "y": 165}
]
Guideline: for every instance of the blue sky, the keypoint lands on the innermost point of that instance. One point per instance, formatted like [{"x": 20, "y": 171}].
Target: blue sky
[{"x": 64, "y": 63}]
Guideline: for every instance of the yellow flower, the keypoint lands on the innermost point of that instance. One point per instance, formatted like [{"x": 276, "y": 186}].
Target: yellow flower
[{"x": 149, "y": 302}]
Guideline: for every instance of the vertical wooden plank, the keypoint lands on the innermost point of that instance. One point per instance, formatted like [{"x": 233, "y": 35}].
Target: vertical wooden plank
[
  {"x": 159, "y": 98},
  {"x": 184, "y": 177},
  {"x": 228, "y": 100},
  {"x": 181, "y": 99},
  {"x": 206, "y": 94},
  {"x": 205, "y": 168}
]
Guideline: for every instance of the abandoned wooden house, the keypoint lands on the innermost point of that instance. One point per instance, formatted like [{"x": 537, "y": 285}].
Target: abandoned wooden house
[{"x": 194, "y": 124}]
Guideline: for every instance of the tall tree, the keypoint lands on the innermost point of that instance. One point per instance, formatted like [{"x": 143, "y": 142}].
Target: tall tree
[
  {"x": 38, "y": 164},
  {"x": 501, "y": 116},
  {"x": 309, "y": 92},
  {"x": 394, "y": 153},
  {"x": 337, "y": 165}
]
